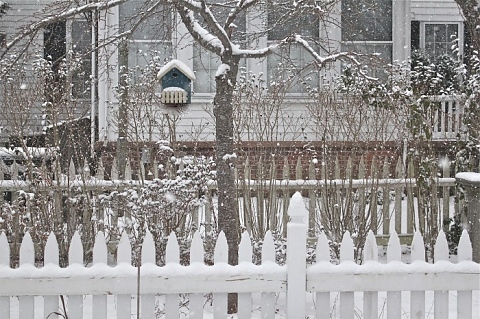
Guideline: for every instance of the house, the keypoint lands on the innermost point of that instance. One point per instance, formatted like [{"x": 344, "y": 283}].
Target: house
[{"x": 388, "y": 27}]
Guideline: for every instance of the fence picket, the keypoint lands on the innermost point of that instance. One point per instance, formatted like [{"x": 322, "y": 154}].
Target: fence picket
[
  {"x": 247, "y": 200},
  {"x": 196, "y": 256},
  {"x": 148, "y": 257},
  {"x": 268, "y": 257},
  {"x": 440, "y": 296},
  {"x": 172, "y": 255},
  {"x": 347, "y": 298},
  {"x": 124, "y": 255},
  {"x": 296, "y": 251},
  {"x": 394, "y": 298},
  {"x": 286, "y": 196},
  {"x": 445, "y": 197},
  {"x": 220, "y": 255},
  {"x": 75, "y": 256},
  {"x": 245, "y": 257},
  {"x": 370, "y": 298},
  {"x": 464, "y": 297},
  {"x": 399, "y": 172},
  {"x": 51, "y": 255},
  {"x": 322, "y": 299},
  {"x": 5, "y": 261},
  {"x": 417, "y": 298},
  {"x": 410, "y": 203},
  {"x": 27, "y": 257},
  {"x": 99, "y": 302}
]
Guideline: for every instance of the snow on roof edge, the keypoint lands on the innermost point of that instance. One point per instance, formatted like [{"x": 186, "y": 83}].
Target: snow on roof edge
[{"x": 179, "y": 65}]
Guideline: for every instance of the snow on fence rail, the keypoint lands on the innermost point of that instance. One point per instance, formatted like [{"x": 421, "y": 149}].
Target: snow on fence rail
[
  {"x": 386, "y": 196},
  {"x": 295, "y": 279}
]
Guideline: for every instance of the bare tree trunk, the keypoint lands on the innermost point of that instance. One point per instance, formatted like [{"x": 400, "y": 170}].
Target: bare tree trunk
[{"x": 227, "y": 204}]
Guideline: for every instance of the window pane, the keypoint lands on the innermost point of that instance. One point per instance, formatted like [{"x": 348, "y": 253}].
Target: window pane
[
  {"x": 293, "y": 69},
  {"x": 205, "y": 65},
  {"x": 158, "y": 26},
  {"x": 367, "y": 20},
  {"x": 285, "y": 21},
  {"x": 440, "y": 33},
  {"x": 439, "y": 38},
  {"x": 81, "y": 45},
  {"x": 376, "y": 65}
]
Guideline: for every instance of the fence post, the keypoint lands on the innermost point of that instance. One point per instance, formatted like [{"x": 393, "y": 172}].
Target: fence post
[
  {"x": 296, "y": 258},
  {"x": 470, "y": 182}
]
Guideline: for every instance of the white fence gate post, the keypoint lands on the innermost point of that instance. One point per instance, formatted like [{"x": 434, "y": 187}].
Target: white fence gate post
[{"x": 296, "y": 258}]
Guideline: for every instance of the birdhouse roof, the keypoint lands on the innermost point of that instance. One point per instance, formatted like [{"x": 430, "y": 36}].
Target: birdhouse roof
[{"x": 182, "y": 67}]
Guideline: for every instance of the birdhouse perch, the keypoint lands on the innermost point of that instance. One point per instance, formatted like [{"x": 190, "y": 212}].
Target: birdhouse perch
[{"x": 176, "y": 79}]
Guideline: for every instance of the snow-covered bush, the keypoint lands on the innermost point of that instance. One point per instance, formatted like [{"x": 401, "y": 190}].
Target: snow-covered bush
[{"x": 162, "y": 206}]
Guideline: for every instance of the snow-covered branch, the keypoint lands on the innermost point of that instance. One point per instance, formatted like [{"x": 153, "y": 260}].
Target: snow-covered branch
[{"x": 200, "y": 33}]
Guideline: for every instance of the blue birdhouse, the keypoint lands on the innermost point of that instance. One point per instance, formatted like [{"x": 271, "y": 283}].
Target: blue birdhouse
[{"x": 176, "y": 78}]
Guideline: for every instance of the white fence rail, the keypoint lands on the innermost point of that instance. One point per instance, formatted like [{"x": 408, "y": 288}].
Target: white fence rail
[{"x": 165, "y": 284}]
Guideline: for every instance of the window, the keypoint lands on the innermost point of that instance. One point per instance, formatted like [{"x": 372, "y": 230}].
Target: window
[
  {"x": 81, "y": 42},
  {"x": 367, "y": 28},
  {"x": 74, "y": 36},
  {"x": 438, "y": 39},
  {"x": 292, "y": 66},
  {"x": 152, "y": 37},
  {"x": 205, "y": 63}
]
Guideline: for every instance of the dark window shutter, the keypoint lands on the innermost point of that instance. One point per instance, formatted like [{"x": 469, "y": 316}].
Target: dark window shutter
[{"x": 415, "y": 35}]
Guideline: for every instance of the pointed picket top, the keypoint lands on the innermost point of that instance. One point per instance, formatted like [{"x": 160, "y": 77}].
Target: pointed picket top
[
  {"x": 323, "y": 249},
  {"x": 337, "y": 168},
  {"x": 298, "y": 169},
  {"x": 347, "y": 248},
  {"x": 71, "y": 170},
  {"x": 247, "y": 171},
  {"x": 464, "y": 250},
  {"x": 370, "y": 251},
  {"x": 418, "y": 247},
  {"x": 296, "y": 209},
  {"x": 51, "y": 250},
  {"x": 386, "y": 168},
  {"x": 349, "y": 168},
  {"x": 286, "y": 169},
  {"x": 394, "y": 250},
  {"x": 2, "y": 167},
  {"x": 155, "y": 169},
  {"x": 124, "y": 250},
  {"x": 114, "y": 172},
  {"x": 100, "y": 170},
  {"x": 75, "y": 251},
  {"x": 4, "y": 250},
  {"x": 14, "y": 171},
  {"x": 27, "y": 250},
  {"x": 128, "y": 170},
  {"x": 268, "y": 248},
  {"x": 172, "y": 251},
  {"x": 361, "y": 168},
  {"x": 148, "y": 249},
  {"x": 100, "y": 249},
  {"x": 245, "y": 248},
  {"x": 374, "y": 168},
  {"x": 197, "y": 253},
  {"x": 441, "y": 247},
  {"x": 221, "y": 249},
  {"x": 399, "y": 170}
]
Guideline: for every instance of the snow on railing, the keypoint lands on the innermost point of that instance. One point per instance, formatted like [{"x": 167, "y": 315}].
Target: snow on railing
[{"x": 296, "y": 279}]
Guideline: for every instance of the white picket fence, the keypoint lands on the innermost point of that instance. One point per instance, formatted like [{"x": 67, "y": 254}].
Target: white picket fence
[{"x": 296, "y": 280}]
